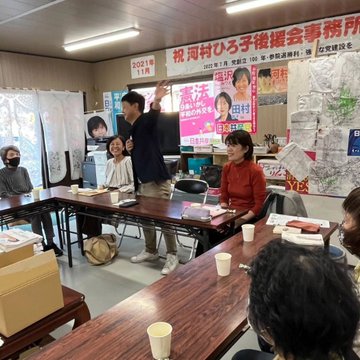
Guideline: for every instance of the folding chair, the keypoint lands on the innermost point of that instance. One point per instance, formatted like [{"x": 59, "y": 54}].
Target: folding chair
[{"x": 189, "y": 190}]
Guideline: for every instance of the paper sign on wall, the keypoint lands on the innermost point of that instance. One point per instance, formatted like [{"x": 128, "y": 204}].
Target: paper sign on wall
[{"x": 143, "y": 66}]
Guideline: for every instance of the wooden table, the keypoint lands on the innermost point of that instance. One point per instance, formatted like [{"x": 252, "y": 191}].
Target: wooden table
[
  {"x": 207, "y": 312},
  {"x": 74, "y": 308},
  {"x": 160, "y": 212}
]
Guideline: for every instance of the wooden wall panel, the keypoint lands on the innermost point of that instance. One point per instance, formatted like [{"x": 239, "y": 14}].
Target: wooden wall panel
[{"x": 35, "y": 72}]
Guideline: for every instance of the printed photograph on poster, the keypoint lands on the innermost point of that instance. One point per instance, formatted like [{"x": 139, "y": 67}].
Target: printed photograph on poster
[
  {"x": 98, "y": 124},
  {"x": 197, "y": 114},
  {"x": 235, "y": 104},
  {"x": 272, "y": 80}
]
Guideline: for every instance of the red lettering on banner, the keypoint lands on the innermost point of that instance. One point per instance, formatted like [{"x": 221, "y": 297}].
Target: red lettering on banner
[
  {"x": 312, "y": 32},
  {"x": 261, "y": 41},
  {"x": 245, "y": 43},
  {"x": 332, "y": 28},
  {"x": 352, "y": 23},
  {"x": 219, "y": 48},
  {"x": 222, "y": 76},
  {"x": 152, "y": 61},
  {"x": 233, "y": 47},
  {"x": 277, "y": 39},
  {"x": 193, "y": 53},
  {"x": 294, "y": 36},
  {"x": 205, "y": 51},
  {"x": 178, "y": 56}
]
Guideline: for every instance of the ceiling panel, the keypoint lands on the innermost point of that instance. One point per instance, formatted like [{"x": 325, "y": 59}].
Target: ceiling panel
[{"x": 163, "y": 23}]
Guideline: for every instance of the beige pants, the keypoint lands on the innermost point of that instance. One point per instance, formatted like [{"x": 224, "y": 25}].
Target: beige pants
[{"x": 160, "y": 190}]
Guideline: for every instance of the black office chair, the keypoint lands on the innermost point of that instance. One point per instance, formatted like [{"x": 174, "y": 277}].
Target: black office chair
[{"x": 188, "y": 190}]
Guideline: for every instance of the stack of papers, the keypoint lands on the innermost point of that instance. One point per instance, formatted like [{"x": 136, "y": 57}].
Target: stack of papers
[
  {"x": 215, "y": 210},
  {"x": 303, "y": 239},
  {"x": 15, "y": 238}
]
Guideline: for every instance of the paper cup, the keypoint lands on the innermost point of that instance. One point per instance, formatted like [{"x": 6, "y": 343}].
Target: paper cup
[
  {"x": 114, "y": 197},
  {"x": 100, "y": 187},
  {"x": 75, "y": 189},
  {"x": 160, "y": 339},
  {"x": 223, "y": 263},
  {"x": 36, "y": 194},
  {"x": 248, "y": 232}
]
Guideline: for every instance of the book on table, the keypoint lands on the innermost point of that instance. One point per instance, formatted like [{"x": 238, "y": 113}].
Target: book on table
[{"x": 15, "y": 238}]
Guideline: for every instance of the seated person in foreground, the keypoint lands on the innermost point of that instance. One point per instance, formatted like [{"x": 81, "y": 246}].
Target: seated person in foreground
[
  {"x": 15, "y": 180},
  {"x": 349, "y": 237},
  {"x": 243, "y": 184},
  {"x": 302, "y": 303},
  {"x": 119, "y": 173}
]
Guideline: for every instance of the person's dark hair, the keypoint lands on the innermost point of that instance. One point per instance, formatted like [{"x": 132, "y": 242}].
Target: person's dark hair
[
  {"x": 5, "y": 149},
  {"x": 224, "y": 95},
  {"x": 304, "y": 301},
  {"x": 94, "y": 122},
  {"x": 351, "y": 205},
  {"x": 111, "y": 139},
  {"x": 264, "y": 73},
  {"x": 238, "y": 74},
  {"x": 132, "y": 97},
  {"x": 243, "y": 138}
]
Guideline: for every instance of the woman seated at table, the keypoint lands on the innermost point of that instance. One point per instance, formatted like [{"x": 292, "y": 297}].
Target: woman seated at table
[
  {"x": 303, "y": 303},
  {"x": 118, "y": 175},
  {"x": 118, "y": 172},
  {"x": 349, "y": 236},
  {"x": 243, "y": 184}
]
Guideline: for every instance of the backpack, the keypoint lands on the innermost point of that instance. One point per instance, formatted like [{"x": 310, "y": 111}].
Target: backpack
[
  {"x": 100, "y": 249},
  {"x": 283, "y": 202},
  {"x": 212, "y": 175}
]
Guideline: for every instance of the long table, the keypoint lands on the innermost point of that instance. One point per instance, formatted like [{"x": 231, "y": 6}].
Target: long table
[
  {"x": 207, "y": 312},
  {"x": 160, "y": 212}
]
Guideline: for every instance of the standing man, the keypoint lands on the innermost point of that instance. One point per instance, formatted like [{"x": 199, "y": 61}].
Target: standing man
[
  {"x": 15, "y": 180},
  {"x": 150, "y": 173}
]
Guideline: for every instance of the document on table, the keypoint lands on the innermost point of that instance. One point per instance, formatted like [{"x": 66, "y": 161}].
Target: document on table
[
  {"x": 215, "y": 210},
  {"x": 278, "y": 219}
]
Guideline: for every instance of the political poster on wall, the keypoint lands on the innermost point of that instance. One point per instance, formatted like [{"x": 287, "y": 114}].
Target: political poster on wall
[
  {"x": 197, "y": 114},
  {"x": 235, "y": 92},
  {"x": 98, "y": 124}
]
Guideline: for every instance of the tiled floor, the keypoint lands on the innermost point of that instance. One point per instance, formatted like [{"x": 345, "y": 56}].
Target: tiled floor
[{"x": 105, "y": 286}]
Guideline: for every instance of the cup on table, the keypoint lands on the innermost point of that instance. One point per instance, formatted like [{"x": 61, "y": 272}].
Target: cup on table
[
  {"x": 223, "y": 263},
  {"x": 248, "y": 231},
  {"x": 36, "y": 194},
  {"x": 114, "y": 197},
  {"x": 100, "y": 187},
  {"x": 75, "y": 188},
  {"x": 160, "y": 339}
]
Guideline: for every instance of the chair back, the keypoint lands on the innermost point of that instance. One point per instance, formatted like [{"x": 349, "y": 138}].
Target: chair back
[{"x": 190, "y": 190}]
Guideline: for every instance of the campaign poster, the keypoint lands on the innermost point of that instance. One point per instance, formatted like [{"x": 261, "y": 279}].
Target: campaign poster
[
  {"x": 272, "y": 80},
  {"x": 98, "y": 124},
  {"x": 196, "y": 114},
  {"x": 354, "y": 143},
  {"x": 235, "y": 99}
]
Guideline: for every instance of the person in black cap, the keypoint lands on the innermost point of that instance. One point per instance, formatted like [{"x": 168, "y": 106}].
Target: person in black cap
[{"x": 15, "y": 180}]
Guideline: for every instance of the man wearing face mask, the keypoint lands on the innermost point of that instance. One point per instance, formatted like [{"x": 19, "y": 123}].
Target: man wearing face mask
[{"x": 15, "y": 180}]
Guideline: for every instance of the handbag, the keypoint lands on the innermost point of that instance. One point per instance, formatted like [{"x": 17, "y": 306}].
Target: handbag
[
  {"x": 212, "y": 175},
  {"x": 100, "y": 249},
  {"x": 196, "y": 213}
]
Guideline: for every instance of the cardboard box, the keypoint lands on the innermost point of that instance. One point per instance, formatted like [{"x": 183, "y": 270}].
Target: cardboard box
[
  {"x": 15, "y": 255},
  {"x": 30, "y": 290}
]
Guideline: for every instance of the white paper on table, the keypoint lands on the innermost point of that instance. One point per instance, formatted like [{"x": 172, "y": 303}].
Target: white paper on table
[
  {"x": 304, "y": 239},
  {"x": 295, "y": 161},
  {"x": 279, "y": 219}
]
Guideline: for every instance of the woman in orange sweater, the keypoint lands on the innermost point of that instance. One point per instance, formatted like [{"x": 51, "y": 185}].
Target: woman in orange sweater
[{"x": 243, "y": 184}]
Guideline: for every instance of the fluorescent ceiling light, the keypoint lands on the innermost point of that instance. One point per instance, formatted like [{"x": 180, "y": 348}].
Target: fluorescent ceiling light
[
  {"x": 101, "y": 39},
  {"x": 243, "y": 6}
]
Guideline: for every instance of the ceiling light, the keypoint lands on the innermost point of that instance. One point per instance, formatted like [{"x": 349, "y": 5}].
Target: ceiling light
[
  {"x": 243, "y": 6},
  {"x": 101, "y": 39}
]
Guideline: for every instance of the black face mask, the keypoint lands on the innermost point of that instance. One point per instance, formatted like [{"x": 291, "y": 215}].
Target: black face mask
[{"x": 14, "y": 161}]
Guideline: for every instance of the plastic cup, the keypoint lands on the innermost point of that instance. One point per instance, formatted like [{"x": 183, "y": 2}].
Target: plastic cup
[
  {"x": 75, "y": 189},
  {"x": 160, "y": 339},
  {"x": 223, "y": 264},
  {"x": 248, "y": 231},
  {"x": 36, "y": 194},
  {"x": 114, "y": 197}
]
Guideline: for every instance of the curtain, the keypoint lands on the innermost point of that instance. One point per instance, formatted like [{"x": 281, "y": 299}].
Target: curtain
[
  {"x": 20, "y": 126},
  {"x": 62, "y": 118}
]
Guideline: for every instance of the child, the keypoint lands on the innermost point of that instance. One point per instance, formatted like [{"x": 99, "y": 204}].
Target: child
[{"x": 97, "y": 127}]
